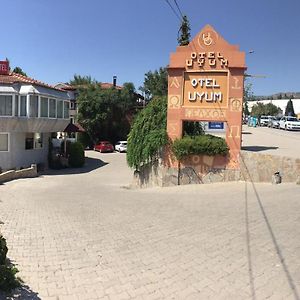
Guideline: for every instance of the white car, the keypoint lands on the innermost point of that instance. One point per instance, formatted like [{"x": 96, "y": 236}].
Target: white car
[
  {"x": 121, "y": 146},
  {"x": 289, "y": 123},
  {"x": 264, "y": 120}
]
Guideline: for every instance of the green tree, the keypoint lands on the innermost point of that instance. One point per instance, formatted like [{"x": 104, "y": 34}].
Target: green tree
[
  {"x": 128, "y": 96},
  {"x": 184, "y": 34},
  {"x": 19, "y": 70},
  {"x": 261, "y": 109},
  {"x": 104, "y": 112},
  {"x": 248, "y": 96},
  {"x": 156, "y": 83},
  {"x": 148, "y": 134},
  {"x": 82, "y": 80},
  {"x": 246, "y": 109},
  {"x": 289, "y": 110}
]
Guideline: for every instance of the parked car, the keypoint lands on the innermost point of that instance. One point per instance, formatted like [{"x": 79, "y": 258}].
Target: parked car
[
  {"x": 273, "y": 122},
  {"x": 121, "y": 146},
  {"x": 264, "y": 120},
  {"x": 289, "y": 123},
  {"x": 104, "y": 146}
]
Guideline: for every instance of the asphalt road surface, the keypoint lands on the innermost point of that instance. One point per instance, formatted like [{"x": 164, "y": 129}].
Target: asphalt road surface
[{"x": 271, "y": 141}]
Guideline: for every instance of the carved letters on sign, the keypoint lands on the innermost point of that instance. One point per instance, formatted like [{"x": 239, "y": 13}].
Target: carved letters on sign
[
  {"x": 236, "y": 85},
  {"x": 173, "y": 127},
  {"x": 175, "y": 83},
  {"x": 234, "y": 132},
  {"x": 211, "y": 114},
  {"x": 236, "y": 104},
  {"x": 210, "y": 58},
  {"x": 174, "y": 101}
]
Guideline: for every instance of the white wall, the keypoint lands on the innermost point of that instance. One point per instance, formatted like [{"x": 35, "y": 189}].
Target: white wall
[
  {"x": 279, "y": 102},
  {"x": 18, "y": 157}
]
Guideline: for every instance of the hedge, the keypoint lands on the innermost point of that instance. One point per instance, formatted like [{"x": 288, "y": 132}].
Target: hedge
[{"x": 203, "y": 144}]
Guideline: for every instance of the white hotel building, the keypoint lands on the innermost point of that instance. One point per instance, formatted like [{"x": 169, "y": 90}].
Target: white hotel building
[{"x": 29, "y": 112}]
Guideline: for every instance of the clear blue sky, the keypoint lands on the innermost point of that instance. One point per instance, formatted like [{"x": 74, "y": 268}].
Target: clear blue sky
[{"x": 53, "y": 40}]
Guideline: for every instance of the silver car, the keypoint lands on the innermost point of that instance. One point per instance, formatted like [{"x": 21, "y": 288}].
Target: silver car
[{"x": 273, "y": 122}]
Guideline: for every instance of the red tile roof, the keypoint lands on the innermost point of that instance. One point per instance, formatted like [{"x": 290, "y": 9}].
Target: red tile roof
[
  {"x": 104, "y": 85},
  {"x": 18, "y": 78}
]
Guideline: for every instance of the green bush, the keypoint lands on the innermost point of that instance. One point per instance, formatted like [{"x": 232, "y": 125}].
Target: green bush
[
  {"x": 8, "y": 279},
  {"x": 3, "y": 250},
  {"x": 203, "y": 144},
  {"x": 148, "y": 133},
  {"x": 76, "y": 155}
]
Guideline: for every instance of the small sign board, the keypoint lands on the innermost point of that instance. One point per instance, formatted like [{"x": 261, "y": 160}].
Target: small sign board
[
  {"x": 216, "y": 125},
  {"x": 4, "y": 67}
]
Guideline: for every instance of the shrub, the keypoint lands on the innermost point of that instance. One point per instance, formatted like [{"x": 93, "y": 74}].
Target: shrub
[
  {"x": 203, "y": 144},
  {"x": 8, "y": 279},
  {"x": 3, "y": 250},
  {"x": 76, "y": 155}
]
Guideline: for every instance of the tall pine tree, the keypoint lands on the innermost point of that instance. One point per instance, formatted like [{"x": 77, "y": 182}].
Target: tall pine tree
[
  {"x": 289, "y": 110},
  {"x": 184, "y": 32}
]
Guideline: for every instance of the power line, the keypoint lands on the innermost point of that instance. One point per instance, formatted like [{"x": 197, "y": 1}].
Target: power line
[
  {"x": 174, "y": 11},
  {"x": 178, "y": 8}
]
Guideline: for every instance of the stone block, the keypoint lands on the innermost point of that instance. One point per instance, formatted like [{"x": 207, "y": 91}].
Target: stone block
[{"x": 213, "y": 176}]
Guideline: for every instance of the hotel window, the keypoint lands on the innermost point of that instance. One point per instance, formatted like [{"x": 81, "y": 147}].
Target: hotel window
[
  {"x": 66, "y": 110},
  {"x": 16, "y": 105},
  {"x": 52, "y": 108},
  {"x": 23, "y": 107},
  {"x": 38, "y": 140},
  {"x": 33, "y": 106},
  {"x": 72, "y": 104},
  {"x": 3, "y": 142},
  {"x": 29, "y": 140},
  {"x": 44, "y": 107},
  {"x": 5, "y": 105},
  {"x": 33, "y": 140},
  {"x": 60, "y": 109}
]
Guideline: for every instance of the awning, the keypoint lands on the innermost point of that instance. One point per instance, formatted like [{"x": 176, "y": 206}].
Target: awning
[{"x": 74, "y": 128}]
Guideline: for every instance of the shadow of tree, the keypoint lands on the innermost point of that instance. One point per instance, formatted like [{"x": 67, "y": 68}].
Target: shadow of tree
[
  {"x": 90, "y": 165},
  {"x": 22, "y": 293}
]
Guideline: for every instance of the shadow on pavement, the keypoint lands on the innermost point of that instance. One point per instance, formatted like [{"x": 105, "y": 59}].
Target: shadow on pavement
[
  {"x": 258, "y": 148},
  {"x": 90, "y": 165},
  {"x": 21, "y": 293},
  {"x": 246, "y": 132}
]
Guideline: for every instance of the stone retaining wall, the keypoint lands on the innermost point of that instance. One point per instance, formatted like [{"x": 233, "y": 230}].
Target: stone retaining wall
[
  {"x": 24, "y": 173},
  {"x": 254, "y": 167}
]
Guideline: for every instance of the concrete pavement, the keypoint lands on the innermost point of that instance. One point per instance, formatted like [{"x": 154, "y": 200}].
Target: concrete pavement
[{"x": 84, "y": 235}]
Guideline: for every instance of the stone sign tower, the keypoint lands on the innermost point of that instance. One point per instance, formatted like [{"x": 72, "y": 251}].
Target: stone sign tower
[{"x": 206, "y": 83}]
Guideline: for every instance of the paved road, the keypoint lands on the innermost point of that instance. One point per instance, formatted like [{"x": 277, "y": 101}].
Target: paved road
[
  {"x": 271, "y": 141},
  {"x": 84, "y": 236}
]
